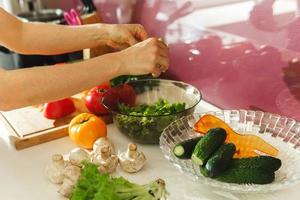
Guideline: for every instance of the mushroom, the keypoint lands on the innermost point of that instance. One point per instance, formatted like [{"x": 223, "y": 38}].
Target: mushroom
[
  {"x": 66, "y": 188},
  {"x": 71, "y": 175},
  {"x": 55, "y": 170},
  {"x": 99, "y": 143},
  {"x": 78, "y": 155},
  {"x": 106, "y": 161},
  {"x": 132, "y": 160}
]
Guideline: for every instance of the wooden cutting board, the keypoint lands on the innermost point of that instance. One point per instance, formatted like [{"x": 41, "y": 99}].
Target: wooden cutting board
[{"x": 28, "y": 127}]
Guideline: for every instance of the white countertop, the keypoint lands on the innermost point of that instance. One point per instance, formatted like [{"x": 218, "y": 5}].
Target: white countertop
[{"x": 22, "y": 172}]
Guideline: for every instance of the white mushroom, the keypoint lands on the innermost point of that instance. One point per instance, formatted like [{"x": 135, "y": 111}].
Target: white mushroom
[
  {"x": 78, "y": 155},
  {"x": 71, "y": 176},
  {"x": 132, "y": 160},
  {"x": 66, "y": 188},
  {"x": 72, "y": 172},
  {"x": 55, "y": 170},
  {"x": 106, "y": 161},
  {"x": 103, "y": 141}
]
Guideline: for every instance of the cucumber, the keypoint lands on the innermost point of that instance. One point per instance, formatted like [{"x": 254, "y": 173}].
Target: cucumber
[
  {"x": 204, "y": 171},
  {"x": 212, "y": 140},
  {"x": 266, "y": 163},
  {"x": 220, "y": 160},
  {"x": 255, "y": 170},
  {"x": 247, "y": 176},
  {"x": 184, "y": 149}
]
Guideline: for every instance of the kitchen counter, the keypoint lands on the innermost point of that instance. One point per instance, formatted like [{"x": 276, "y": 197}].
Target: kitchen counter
[{"x": 22, "y": 172}]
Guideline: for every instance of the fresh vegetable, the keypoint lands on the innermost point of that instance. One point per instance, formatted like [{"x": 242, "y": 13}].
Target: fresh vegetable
[
  {"x": 184, "y": 149},
  {"x": 126, "y": 78},
  {"x": 85, "y": 129},
  {"x": 55, "y": 170},
  {"x": 208, "y": 145},
  {"x": 77, "y": 155},
  {"x": 255, "y": 170},
  {"x": 71, "y": 176},
  {"x": 59, "y": 109},
  {"x": 145, "y": 123},
  {"x": 247, "y": 176},
  {"x": 127, "y": 94},
  {"x": 106, "y": 162},
  {"x": 93, "y": 100},
  {"x": 246, "y": 145},
  {"x": 122, "y": 94},
  {"x": 93, "y": 185},
  {"x": 161, "y": 107},
  {"x": 266, "y": 163},
  {"x": 220, "y": 160},
  {"x": 63, "y": 173},
  {"x": 101, "y": 142},
  {"x": 132, "y": 160}
]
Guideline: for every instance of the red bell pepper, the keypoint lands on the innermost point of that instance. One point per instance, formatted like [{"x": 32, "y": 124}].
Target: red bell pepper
[{"x": 59, "y": 109}]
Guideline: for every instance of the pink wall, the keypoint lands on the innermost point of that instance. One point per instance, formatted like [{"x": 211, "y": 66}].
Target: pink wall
[{"x": 259, "y": 78}]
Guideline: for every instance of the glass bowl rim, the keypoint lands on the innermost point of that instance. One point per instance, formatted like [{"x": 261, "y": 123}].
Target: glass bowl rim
[{"x": 154, "y": 116}]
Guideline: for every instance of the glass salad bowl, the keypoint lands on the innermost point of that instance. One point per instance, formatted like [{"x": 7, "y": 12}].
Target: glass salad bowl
[
  {"x": 147, "y": 128},
  {"x": 281, "y": 132}
]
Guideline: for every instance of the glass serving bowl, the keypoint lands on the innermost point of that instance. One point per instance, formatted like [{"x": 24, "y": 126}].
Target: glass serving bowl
[
  {"x": 281, "y": 132},
  {"x": 147, "y": 129}
]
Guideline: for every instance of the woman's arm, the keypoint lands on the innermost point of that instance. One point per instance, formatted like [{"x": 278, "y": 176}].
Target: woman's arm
[
  {"x": 30, "y": 86},
  {"x": 49, "y": 39}
]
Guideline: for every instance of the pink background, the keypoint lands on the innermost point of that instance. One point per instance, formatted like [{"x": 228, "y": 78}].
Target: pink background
[{"x": 259, "y": 80}]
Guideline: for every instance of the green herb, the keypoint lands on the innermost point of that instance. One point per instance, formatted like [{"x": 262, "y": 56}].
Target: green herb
[
  {"x": 161, "y": 107},
  {"x": 93, "y": 185},
  {"x": 126, "y": 78},
  {"x": 145, "y": 123}
]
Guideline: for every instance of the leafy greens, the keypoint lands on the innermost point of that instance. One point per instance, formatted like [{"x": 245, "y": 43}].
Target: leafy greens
[{"x": 93, "y": 185}]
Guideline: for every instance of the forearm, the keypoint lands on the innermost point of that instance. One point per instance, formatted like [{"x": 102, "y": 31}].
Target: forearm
[
  {"x": 49, "y": 39},
  {"x": 32, "y": 86}
]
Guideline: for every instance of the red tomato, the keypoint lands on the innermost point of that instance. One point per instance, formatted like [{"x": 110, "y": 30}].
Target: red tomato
[
  {"x": 93, "y": 100},
  {"x": 120, "y": 94},
  {"x": 127, "y": 94},
  {"x": 111, "y": 99},
  {"x": 59, "y": 109}
]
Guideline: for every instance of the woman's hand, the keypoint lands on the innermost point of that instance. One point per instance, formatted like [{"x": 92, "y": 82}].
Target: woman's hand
[
  {"x": 121, "y": 36},
  {"x": 149, "y": 56}
]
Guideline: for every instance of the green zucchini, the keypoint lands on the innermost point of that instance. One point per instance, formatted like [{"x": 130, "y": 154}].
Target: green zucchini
[
  {"x": 220, "y": 160},
  {"x": 184, "y": 149},
  {"x": 247, "y": 176},
  {"x": 267, "y": 163},
  {"x": 212, "y": 140}
]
